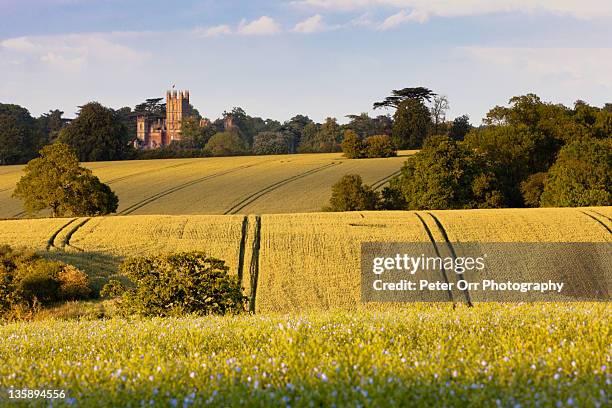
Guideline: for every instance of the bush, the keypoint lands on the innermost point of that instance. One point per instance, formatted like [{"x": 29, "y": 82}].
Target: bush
[
  {"x": 350, "y": 194},
  {"x": 532, "y": 189},
  {"x": 581, "y": 176},
  {"x": 226, "y": 144},
  {"x": 175, "y": 284},
  {"x": 38, "y": 281},
  {"x": 352, "y": 147},
  {"x": 112, "y": 289},
  {"x": 74, "y": 284},
  {"x": 379, "y": 146}
]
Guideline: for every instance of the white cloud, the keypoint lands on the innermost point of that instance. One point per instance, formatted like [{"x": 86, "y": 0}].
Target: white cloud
[
  {"x": 585, "y": 9},
  {"x": 263, "y": 26},
  {"x": 72, "y": 52},
  {"x": 402, "y": 17},
  {"x": 576, "y": 66},
  {"x": 215, "y": 31},
  {"x": 312, "y": 24}
]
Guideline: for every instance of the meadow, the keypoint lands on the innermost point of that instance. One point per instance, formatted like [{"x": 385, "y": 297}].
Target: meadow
[
  {"x": 259, "y": 184},
  {"x": 554, "y": 355}
]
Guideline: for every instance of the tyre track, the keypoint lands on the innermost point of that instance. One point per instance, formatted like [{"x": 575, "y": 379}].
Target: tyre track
[
  {"x": 66, "y": 241},
  {"x": 603, "y": 224},
  {"x": 378, "y": 184},
  {"x": 174, "y": 189},
  {"x": 437, "y": 251},
  {"x": 254, "y": 196},
  {"x": 601, "y": 215},
  {"x": 241, "y": 253},
  {"x": 51, "y": 240},
  {"x": 254, "y": 268},
  {"x": 128, "y": 176},
  {"x": 453, "y": 254}
]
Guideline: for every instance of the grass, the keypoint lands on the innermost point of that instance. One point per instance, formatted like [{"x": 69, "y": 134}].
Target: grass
[
  {"x": 427, "y": 355},
  {"x": 259, "y": 184}
]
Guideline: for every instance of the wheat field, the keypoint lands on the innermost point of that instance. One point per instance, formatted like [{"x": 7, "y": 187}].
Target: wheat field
[
  {"x": 306, "y": 261},
  {"x": 221, "y": 185}
]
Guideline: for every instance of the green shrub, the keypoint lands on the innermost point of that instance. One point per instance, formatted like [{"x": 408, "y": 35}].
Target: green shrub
[
  {"x": 74, "y": 284},
  {"x": 350, "y": 194},
  {"x": 352, "y": 146},
  {"x": 38, "y": 281},
  {"x": 532, "y": 189},
  {"x": 112, "y": 289},
  {"x": 379, "y": 146},
  {"x": 180, "y": 283}
]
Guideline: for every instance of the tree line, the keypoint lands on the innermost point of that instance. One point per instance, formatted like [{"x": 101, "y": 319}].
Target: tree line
[{"x": 528, "y": 154}]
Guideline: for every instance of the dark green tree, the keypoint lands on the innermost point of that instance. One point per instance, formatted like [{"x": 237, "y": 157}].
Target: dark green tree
[
  {"x": 97, "y": 134},
  {"x": 227, "y": 143},
  {"x": 460, "y": 127},
  {"x": 350, "y": 194},
  {"x": 399, "y": 96},
  {"x": 55, "y": 181},
  {"x": 412, "y": 123},
  {"x": 581, "y": 176},
  {"x": 271, "y": 143},
  {"x": 352, "y": 145},
  {"x": 20, "y": 137}
]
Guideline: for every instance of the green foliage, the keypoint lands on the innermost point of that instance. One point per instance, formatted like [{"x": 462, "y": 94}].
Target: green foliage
[
  {"x": 20, "y": 136},
  {"x": 352, "y": 146},
  {"x": 226, "y": 143},
  {"x": 446, "y": 174},
  {"x": 327, "y": 139},
  {"x": 392, "y": 199},
  {"x": 185, "y": 282},
  {"x": 581, "y": 176},
  {"x": 98, "y": 134},
  {"x": 379, "y": 146},
  {"x": 350, "y": 194},
  {"x": 366, "y": 126},
  {"x": 271, "y": 143},
  {"x": 56, "y": 181},
  {"x": 532, "y": 189},
  {"x": 412, "y": 122},
  {"x": 27, "y": 280},
  {"x": 460, "y": 127},
  {"x": 399, "y": 96},
  {"x": 193, "y": 136},
  {"x": 307, "y": 142},
  {"x": 112, "y": 289}
]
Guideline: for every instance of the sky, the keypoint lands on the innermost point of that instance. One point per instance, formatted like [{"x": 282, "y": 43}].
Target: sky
[{"x": 321, "y": 58}]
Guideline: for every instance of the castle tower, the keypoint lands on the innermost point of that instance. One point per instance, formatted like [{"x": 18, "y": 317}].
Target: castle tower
[
  {"x": 142, "y": 130},
  {"x": 177, "y": 107}
]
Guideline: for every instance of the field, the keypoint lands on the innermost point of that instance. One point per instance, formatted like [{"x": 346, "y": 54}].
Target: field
[
  {"x": 505, "y": 355},
  {"x": 299, "y": 262},
  {"x": 221, "y": 185}
]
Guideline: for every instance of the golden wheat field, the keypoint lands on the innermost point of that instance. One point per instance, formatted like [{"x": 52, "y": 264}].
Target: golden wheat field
[
  {"x": 221, "y": 185},
  {"x": 296, "y": 262}
]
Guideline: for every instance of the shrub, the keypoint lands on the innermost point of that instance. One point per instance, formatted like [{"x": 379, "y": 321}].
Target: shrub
[
  {"x": 112, "y": 289},
  {"x": 532, "y": 189},
  {"x": 379, "y": 146},
  {"x": 352, "y": 147},
  {"x": 38, "y": 281},
  {"x": 185, "y": 282},
  {"x": 581, "y": 176},
  {"x": 350, "y": 194},
  {"x": 74, "y": 284}
]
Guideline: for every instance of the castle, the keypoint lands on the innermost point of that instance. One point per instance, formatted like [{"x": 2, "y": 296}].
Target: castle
[{"x": 152, "y": 133}]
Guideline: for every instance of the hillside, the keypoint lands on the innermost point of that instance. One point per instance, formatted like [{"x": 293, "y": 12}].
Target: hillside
[
  {"x": 221, "y": 185},
  {"x": 306, "y": 261}
]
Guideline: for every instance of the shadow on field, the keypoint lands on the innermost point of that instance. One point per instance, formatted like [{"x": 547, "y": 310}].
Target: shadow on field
[{"x": 99, "y": 266}]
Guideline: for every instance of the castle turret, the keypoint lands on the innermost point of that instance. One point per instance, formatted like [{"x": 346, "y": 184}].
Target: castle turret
[{"x": 177, "y": 107}]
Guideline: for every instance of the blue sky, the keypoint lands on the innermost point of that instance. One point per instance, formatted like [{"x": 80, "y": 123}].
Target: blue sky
[{"x": 316, "y": 57}]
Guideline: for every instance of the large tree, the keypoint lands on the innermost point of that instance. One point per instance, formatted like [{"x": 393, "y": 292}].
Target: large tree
[
  {"x": 399, "y": 96},
  {"x": 271, "y": 143},
  {"x": 56, "y": 181},
  {"x": 20, "y": 137},
  {"x": 97, "y": 134},
  {"x": 411, "y": 125}
]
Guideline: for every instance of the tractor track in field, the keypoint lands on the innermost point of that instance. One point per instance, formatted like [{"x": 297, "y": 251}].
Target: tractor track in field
[
  {"x": 600, "y": 222},
  {"x": 437, "y": 251},
  {"x": 601, "y": 215},
  {"x": 242, "y": 249},
  {"x": 452, "y": 251},
  {"x": 129, "y": 176},
  {"x": 51, "y": 240},
  {"x": 66, "y": 241},
  {"x": 251, "y": 198},
  {"x": 179, "y": 187},
  {"x": 378, "y": 184},
  {"x": 254, "y": 267}
]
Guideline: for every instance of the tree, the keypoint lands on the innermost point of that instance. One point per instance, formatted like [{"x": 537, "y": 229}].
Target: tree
[
  {"x": 307, "y": 141},
  {"x": 352, "y": 146},
  {"x": 193, "y": 136},
  {"x": 532, "y": 189},
  {"x": 56, "y": 181},
  {"x": 271, "y": 143},
  {"x": 446, "y": 175},
  {"x": 19, "y": 136},
  {"x": 460, "y": 127},
  {"x": 379, "y": 146},
  {"x": 411, "y": 125},
  {"x": 325, "y": 139},
  {"x": 294, "y": 128},
  {"x": 50, "y": 125},
  {"x": 350, "y": 194},
  {"x": 227, "y": 143},
  {"x": 97, "y": 134},
  {"x": 581, "y": 176},
  {"x": 438, "y": 112},
  {"x": 402, "y": 95}
]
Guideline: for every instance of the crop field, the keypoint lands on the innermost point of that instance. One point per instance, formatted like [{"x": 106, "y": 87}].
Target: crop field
[
  {"x": 427, "y": 355},
  {"x": 297, "y": 262},
  {"x": 221, "y": 185}
]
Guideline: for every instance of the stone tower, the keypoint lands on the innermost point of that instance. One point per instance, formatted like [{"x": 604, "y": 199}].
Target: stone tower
[{"x": 177, "y": 107}]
